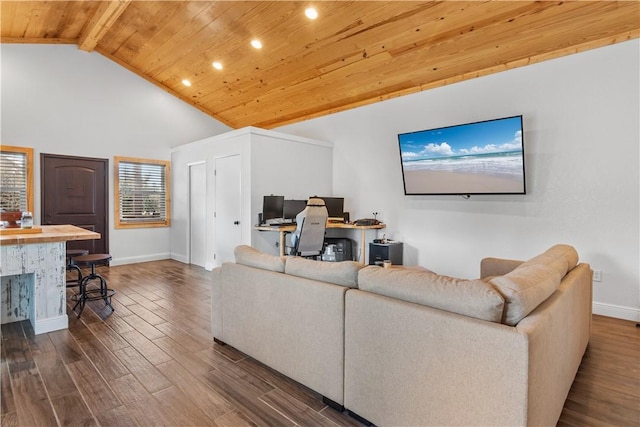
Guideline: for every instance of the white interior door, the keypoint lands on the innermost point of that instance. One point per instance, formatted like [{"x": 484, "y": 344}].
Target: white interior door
[
  {"x": 228, "y": 201},
  {"x": 198, "y": 214}
]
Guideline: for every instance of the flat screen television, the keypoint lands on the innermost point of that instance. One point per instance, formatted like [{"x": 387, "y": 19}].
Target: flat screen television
[{"x": 474, "y": 158}]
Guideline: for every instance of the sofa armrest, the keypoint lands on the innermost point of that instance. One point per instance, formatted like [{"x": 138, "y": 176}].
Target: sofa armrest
[
  {"x": 558, "y": 331},
  {"x": 497, "y": 266}
]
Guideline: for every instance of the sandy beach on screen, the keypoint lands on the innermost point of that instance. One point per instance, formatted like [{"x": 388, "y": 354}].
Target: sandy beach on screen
[{"x": 427, "y": 181}]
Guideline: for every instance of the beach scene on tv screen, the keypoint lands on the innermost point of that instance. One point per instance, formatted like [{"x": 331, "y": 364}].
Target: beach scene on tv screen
[{"x": 475, "y": 158}]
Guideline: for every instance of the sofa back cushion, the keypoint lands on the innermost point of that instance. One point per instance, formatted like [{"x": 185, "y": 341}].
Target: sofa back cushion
[
  {"x": 343, "y": 273},
  {"x": 473, "y": 298},
  {"x": 533, "y": 281},
  {"x": 246, "y": 255}
]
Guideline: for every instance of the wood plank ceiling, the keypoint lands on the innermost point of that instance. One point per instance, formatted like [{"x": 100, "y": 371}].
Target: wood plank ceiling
[{"x": 354, "y": 53}]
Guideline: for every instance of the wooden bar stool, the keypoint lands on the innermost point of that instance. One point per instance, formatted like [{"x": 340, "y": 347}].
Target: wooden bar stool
[
  {"x": 95, "y": 293},
  {"x": 71, "y": 266}
]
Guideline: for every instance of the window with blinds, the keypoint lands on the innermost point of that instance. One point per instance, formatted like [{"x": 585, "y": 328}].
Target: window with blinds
[
  {"x": 142, "y": 192},
  {"x": 16, "y": 179}
]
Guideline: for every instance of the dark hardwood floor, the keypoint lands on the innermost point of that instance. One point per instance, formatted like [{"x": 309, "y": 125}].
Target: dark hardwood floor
[{"x": 153, "y": 362}]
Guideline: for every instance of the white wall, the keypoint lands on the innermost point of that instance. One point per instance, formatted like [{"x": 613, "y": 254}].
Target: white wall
[
  {"x": 272, "y": 163},
  {"x": 205, "y": 150},
  {"x": 582, "y": 132},
  {"x": 58, "y": 99}
]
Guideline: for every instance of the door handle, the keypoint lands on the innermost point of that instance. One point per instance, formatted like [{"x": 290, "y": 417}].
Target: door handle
[{"x": 236, "y": 222}]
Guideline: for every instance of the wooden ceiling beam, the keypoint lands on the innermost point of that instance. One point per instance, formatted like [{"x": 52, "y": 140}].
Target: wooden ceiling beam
[
  {"x": 101, "y": 22},
  {"x": 37, "y": 40}
]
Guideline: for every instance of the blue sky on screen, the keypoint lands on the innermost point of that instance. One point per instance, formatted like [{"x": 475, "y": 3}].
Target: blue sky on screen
[{"x": 493, "y": 136}]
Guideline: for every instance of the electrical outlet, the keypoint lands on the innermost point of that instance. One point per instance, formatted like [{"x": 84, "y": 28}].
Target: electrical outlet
[{"x": 597, "y": 275}]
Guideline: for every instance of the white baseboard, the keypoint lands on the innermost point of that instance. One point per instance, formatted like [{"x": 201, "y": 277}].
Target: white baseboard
[
  {"x": 181, "y": 258},
  {"x": 50, "y": 324},
  {"x": 185, "y": 260},
  {"x": 137, "y": 259},
  {"x": 617, "y": 311}
]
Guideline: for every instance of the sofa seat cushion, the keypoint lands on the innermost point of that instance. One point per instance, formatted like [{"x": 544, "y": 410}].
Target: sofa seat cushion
[
  {"x": 473, "y": 298},
  {"x": 246, "y": 255},
  {"x": 533, "y": 281},
  {"x": 343, "y": 273}
]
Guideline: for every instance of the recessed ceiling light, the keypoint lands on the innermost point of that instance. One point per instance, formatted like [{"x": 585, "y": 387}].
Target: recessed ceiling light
[
  {"x": 256, "y": 43},
  {"x": 217, "y": 65},
  {"x": 186, "y": 82},
  {"x": 311, "y": 13}
]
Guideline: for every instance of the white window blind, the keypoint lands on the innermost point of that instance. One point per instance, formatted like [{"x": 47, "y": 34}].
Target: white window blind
[
  {"x": 142, "y": 192},
  {"x": 13, "y": 181}
]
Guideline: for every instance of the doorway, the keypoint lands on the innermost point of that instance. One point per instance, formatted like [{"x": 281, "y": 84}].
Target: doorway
[
  {"x": 228, "y": 207},
  {"x": 75, "y": 190},
  {"x": 198, "y": 214}
]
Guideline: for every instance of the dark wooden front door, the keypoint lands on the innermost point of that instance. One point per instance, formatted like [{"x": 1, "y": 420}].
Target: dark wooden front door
[{"x": 75, "y": 191}]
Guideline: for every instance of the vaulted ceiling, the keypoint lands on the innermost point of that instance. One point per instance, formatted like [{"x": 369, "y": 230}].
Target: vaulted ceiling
[{"x": 354, "y": 53}]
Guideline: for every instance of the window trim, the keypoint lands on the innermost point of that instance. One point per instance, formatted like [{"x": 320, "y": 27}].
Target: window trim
[
  {"x": 116, "y": 197},
  {"x": 28, "y": 152}
]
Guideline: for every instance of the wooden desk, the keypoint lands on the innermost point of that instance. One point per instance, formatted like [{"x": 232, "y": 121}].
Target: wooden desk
[
  {"x": 330, "y": 225},
  {"x": 33, "y": 272}
]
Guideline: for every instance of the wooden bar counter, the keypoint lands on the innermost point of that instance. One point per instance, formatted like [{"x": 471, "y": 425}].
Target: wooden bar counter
[{"x": 32, "y": 270}]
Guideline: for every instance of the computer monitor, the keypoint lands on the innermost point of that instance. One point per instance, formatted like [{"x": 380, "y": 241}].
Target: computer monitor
[
  {"x": 293, "y": 208},
  {"x": 335, "y": 207},
  {"x": 272, "y": 207}
]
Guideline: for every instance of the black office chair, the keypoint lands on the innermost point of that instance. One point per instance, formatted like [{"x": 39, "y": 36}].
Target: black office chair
[{"x": 310, "y": 238}]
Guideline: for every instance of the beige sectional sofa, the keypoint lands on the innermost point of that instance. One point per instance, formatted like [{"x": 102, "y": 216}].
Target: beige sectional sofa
[
  {"x": 288, "y": 313},
  {"x": 411, "y": 347}
]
